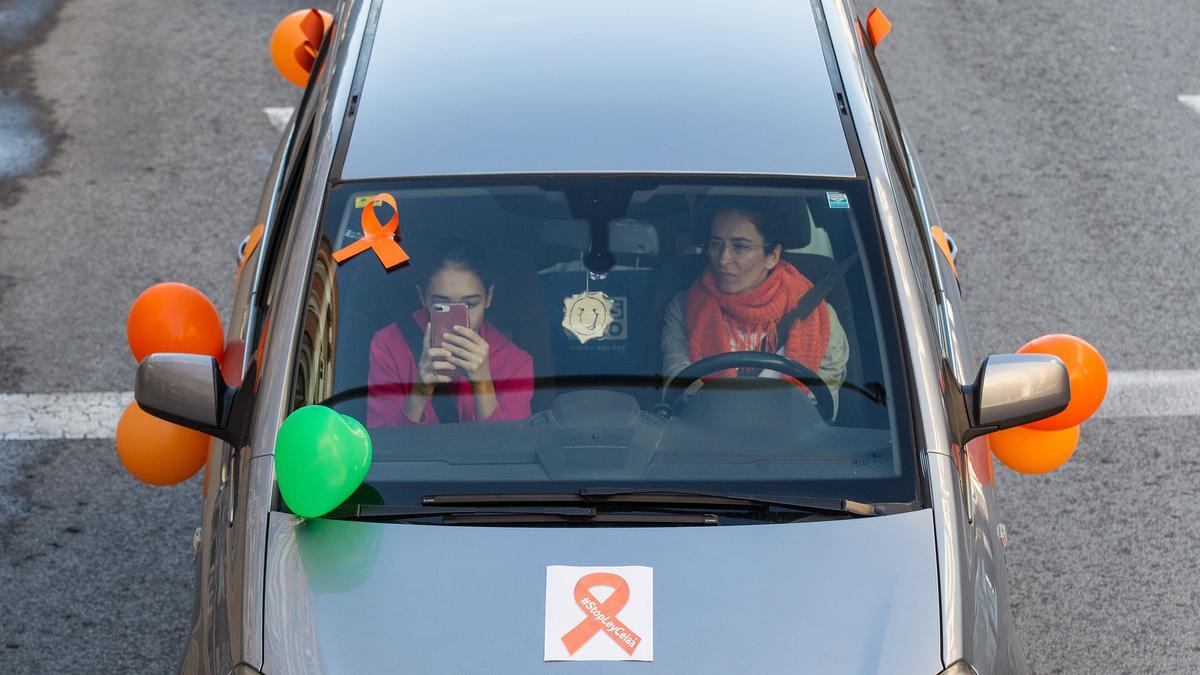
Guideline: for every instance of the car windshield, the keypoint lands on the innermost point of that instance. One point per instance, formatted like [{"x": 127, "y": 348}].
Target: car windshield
[{"x": 561, "y": 333}]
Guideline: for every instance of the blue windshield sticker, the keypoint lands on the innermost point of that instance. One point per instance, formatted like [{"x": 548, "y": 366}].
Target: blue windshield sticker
[{"x": 837, "y": 200}]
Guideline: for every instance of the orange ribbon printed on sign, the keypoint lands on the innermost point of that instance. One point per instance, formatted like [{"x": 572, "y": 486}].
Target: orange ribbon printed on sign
[
  {"x": 601, "y": 616},
  {"x": 380, "y": 238}
]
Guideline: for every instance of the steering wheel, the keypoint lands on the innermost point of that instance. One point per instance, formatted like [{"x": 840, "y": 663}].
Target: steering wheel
[{"x": 676, "y": 386}]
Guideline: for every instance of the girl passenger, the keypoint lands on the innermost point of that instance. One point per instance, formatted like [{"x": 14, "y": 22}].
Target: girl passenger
[{"x": 476, "y": 375}]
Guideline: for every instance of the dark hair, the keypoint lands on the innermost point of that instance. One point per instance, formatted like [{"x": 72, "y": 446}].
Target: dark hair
[
  {"x": 457, "y": 253},
  {"x": 766, "y": 221}
]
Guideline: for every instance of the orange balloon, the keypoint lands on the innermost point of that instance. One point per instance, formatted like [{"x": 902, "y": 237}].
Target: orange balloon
[
  {"x": 156, "y": 451},
  {"x": 295, "y": 42},
  {"x": 173, "y": 317},
  {"x": 1030, "y": 451},
  {"x": 1088, "y": 373}
]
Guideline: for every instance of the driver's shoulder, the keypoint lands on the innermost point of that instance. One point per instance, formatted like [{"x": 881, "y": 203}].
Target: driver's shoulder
[
  {"x": 837, "y": 333},
  {"x": 677, "y": 305},
  {"x": 675, "y": 314}
]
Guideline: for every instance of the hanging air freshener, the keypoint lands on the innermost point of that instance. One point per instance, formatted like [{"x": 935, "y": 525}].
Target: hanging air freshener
[{"x": 587, "y": 315}]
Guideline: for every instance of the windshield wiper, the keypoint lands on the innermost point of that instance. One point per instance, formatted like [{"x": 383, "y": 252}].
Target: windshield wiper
[
  {"x": 622, "y": 497},
  {"x": 818, "y": 505},
  {"x": 498, "y": 514}
]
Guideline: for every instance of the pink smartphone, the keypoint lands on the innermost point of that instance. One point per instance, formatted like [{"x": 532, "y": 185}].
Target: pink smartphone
[{"x": 443, "y": 317}]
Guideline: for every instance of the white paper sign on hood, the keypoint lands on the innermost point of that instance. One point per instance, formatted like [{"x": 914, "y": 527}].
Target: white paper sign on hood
[{"x": 599, "y": 613}]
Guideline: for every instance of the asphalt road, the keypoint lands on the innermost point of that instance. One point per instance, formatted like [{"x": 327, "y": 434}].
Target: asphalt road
[
  {"x": 156, "y": 148},
  {"x": 1069, "y": 172},
  {"x": 1061, "y": 160}
]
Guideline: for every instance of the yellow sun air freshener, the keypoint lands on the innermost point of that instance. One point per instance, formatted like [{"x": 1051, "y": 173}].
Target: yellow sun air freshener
[{"x": 587, "y": 315}]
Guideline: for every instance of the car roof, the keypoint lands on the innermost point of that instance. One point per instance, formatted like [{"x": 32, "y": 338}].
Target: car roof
[{"x": 486, "y": 87}]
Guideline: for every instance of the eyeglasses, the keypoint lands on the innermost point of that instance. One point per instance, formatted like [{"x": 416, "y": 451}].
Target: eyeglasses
[{"x": 737, "y": 248}]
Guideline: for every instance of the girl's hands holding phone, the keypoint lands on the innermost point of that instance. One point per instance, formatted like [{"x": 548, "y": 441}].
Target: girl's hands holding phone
[
  {"x": 434, "y": 366},
  {"x": 461, "y": 348},
  {"x": 467, "y": 350}
]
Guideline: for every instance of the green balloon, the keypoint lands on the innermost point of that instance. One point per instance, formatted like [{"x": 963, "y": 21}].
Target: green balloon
[{"x": 321, "y": 457}]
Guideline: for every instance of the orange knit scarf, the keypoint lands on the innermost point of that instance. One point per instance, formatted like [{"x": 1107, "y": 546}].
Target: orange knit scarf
[{"x": 711, "y": 314}]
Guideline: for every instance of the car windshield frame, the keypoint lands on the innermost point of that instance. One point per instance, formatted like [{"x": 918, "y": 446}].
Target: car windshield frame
[{"x": 386, "y": 482}]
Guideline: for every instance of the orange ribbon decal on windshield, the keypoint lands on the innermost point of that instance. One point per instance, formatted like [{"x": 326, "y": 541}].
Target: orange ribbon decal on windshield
[
  {"x": 380, "y": 238},
  {"x": 601, "y": 616}
]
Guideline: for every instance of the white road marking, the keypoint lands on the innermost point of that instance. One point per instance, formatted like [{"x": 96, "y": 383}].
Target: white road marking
[
  {"x": 33, "y": 417},
  {"x": 1152, "y": 393},
  {"x": 279, "y": 117},
  {"x": 1192, "y": 102}
]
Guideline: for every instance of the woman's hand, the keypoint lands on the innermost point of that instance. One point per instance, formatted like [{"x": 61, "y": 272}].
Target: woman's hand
[
  {"x": 434, "y": 366},
  {"x": 467, "y": 350}
]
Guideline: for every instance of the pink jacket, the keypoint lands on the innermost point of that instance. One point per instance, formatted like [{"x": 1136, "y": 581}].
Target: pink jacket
[{"x": 393, "y": 370}]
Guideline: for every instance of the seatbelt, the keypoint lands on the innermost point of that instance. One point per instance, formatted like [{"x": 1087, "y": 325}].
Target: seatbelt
[
  {"x": 808, "y": 302},
  {"x": 443, "y": 401},
  {"x": 814, "y": 296}
]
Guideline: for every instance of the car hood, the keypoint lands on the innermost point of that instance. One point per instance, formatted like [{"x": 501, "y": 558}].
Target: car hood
[{"x": 841, "y": 596}]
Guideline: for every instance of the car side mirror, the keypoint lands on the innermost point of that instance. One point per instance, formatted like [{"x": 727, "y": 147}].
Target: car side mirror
[
  {"x": 184, "y": 389},
  {"x": 1016, "y": 389}
]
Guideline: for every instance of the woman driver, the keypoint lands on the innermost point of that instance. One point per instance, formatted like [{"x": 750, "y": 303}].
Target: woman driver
[
  {"x": 486, "y": 376},
  {"x": 742, "y": 297}
]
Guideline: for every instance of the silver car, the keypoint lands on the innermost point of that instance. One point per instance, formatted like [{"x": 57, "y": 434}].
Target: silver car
[{"x": 630, "y": 497}]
